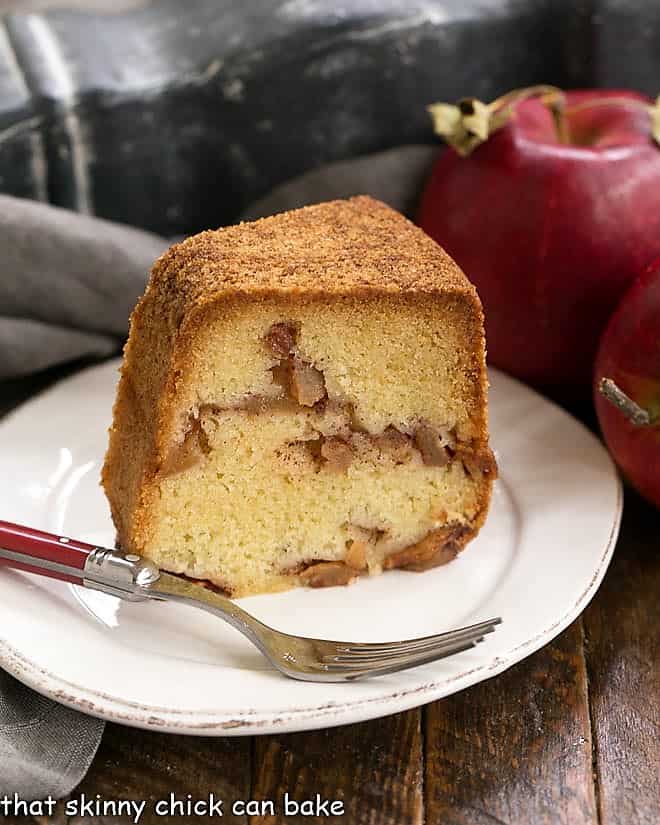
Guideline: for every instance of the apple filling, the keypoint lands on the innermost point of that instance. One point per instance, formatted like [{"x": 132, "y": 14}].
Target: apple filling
[
  {"x": 248, "y": 455},
  {"x": 438, "y": 547},
  {"x": 338, "y": 439}
]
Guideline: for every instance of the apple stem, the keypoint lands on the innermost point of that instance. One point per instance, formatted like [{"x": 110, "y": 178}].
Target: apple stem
[
  {"x": 615, "y": 395},
  {"x": 471, "y": 122}
]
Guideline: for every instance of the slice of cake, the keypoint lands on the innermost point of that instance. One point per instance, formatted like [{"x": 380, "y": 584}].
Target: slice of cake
[{"x": 302, "y": 401}]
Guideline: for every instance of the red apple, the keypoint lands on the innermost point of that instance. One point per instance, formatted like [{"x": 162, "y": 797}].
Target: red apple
[
  {"x": 627, "y": 384},
  {"x": 551, "y": 217}
]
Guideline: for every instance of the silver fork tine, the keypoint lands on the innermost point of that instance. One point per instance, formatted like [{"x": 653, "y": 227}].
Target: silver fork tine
[
  {"x": 365, "y": 658},
  {"x": 358, "y": 663},
  {"x": 378, "y": 649},
  {"x": 370, "y": 664},
  {"x": 357, "y": 671},
  {"x": 367, "y": 664}
]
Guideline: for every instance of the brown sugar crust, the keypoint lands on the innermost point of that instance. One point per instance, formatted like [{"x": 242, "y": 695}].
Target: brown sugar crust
[
  {"x": 341, "y": 247},
  {"x": 353, "y": 248}
]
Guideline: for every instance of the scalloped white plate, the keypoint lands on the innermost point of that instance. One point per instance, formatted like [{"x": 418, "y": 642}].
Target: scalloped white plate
[{"x": 537, "y": 563}]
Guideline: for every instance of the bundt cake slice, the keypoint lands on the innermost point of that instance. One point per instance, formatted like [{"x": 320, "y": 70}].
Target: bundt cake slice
[{"x": 302, "y": 401}]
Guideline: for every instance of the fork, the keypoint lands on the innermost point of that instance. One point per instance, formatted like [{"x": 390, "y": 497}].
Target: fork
[{"x": 136, "y": 579}]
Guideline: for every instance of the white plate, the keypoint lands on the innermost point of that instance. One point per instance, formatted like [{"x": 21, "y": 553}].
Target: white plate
[{"x": 537, "y": 563}]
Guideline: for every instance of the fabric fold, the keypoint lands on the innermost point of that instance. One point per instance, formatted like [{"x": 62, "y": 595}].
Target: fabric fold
[
  {"x": 45, "y": 748},
  {"x": 68, "y": 285}
]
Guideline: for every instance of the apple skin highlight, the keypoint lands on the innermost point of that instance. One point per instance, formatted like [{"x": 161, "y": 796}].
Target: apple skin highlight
[
  {"x": 552, "y": 229},
  {"x": 629, "y": 354}
]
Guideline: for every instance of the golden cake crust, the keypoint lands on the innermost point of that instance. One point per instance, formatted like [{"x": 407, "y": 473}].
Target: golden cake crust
[
  {"x": 353, "y": 248},
  {"x": 340, "y": 247}
]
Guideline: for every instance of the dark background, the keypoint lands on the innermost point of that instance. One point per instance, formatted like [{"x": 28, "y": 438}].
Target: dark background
[{"x": 175, "y": 115}]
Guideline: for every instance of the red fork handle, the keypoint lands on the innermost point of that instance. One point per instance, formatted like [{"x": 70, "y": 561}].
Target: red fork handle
[{"x": 56, "y": 557}]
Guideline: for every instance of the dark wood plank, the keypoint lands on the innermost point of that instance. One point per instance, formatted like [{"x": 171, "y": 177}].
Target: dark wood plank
[
  {"x": 141, "y": 765},
  {"x": 515, "y": 749},
  {"x": 622, "y": 628},
  {"x": 375, "y": 768}
]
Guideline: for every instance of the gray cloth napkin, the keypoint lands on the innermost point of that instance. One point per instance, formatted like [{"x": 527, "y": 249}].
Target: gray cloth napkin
[
  {"x": 68, "y": 284},
  {"x": 45, "y": 748}
]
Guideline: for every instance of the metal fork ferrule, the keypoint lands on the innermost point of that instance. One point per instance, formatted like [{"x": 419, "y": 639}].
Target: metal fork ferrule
[{"x": 126, "y": 576}]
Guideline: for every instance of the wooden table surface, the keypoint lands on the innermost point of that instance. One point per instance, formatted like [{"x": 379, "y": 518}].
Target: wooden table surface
[{"x": 570, "y": 735}]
